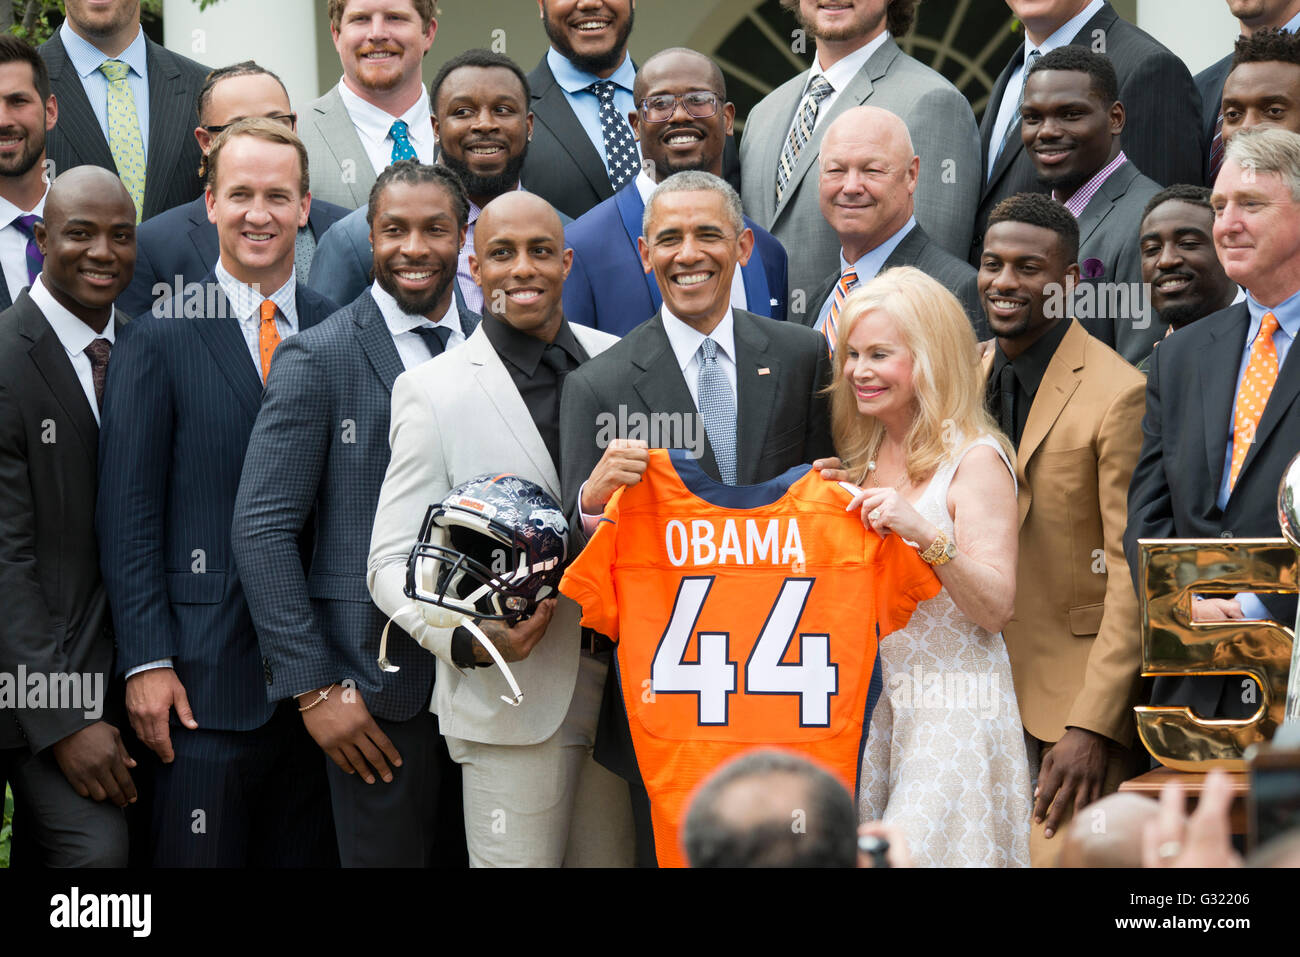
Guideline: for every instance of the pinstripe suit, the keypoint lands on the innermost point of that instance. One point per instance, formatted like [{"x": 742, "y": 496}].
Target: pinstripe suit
[
  {"x": 179, "y": 406},
  {"x": 172, "y": 177},
  {"x": 321, "y": 442}
]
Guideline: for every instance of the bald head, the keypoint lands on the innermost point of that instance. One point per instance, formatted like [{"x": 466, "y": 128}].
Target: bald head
[
  {"x": 868, "y": 175},
  {"x": 88, "y": 239},
  {"x": 520, "y": 263},
  {"x": 1108, "y": 833}
]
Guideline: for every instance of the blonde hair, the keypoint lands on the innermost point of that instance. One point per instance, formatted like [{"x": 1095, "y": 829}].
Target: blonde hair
[{"x": 946, "y": 375}]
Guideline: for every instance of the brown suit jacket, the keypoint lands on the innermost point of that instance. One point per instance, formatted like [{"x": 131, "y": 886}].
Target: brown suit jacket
[{"x": 1075, "y": 639}]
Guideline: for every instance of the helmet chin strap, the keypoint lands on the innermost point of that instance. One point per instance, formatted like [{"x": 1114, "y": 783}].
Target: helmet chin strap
[{"x": 446, "y": 618}]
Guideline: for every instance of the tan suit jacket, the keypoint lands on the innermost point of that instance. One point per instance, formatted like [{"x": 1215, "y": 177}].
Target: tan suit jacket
[{"x": 1074, "y": 640}]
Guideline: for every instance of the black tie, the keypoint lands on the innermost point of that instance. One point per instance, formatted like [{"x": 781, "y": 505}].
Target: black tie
[
  {"x": 97, "y": 352},
  {"x": 435, "y": 338},
  {"x": 1007, "y": 405},
  {"x": 555, "y": 358}
]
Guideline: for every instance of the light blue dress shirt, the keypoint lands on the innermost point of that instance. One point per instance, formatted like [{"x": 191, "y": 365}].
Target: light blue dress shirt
[
  {"x": 586, "y": 105},
  {"x": 1288, "y": 326},
  {"x": 868, "y": 266},
  {"x": 86, "y": 59}
]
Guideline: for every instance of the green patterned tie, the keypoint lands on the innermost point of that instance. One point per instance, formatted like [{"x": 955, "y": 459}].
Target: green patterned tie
[{"x": 124, "y": 132}]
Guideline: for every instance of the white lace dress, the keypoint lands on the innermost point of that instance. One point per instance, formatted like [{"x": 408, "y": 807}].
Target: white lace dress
[{"x": 945, "y": 755}]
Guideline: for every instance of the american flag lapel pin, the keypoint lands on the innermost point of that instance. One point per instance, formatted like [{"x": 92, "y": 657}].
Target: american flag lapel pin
[{"x": 765, "y": 371}]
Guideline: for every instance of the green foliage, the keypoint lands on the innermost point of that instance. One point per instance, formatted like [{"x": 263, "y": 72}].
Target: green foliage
[
  {"x": 35, "y": 19},
  {"x": 6, "y": 827}
]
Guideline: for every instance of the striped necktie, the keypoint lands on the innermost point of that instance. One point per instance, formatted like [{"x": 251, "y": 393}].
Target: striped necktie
[
  {"x": 35, "y": 261},
  {"x": 842, "y": 289},
  {"x": 804, "y": 124},
  {"x": 1216, "y": 150},
  {"x": 124, "y": 139},
  {"x": 1013, "y": 128}
]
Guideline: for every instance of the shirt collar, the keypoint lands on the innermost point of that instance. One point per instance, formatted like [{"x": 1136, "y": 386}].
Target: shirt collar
[
  {"x": 399, "y": 322},
  {"x": 87, "y": 58},
  {"x": 1066, "y": 31},
  {"x": 873, "y": 259},
  {"x": 523, "y": 351},
  {"x": 246, "y": 301},
  {"x": 644, "y": 186},
  {"x": 685, "y": 339},
  {"x": 1293, "y": 24},
  {"x": 843, "y": 70},
  {"x": 573, "y": 80},
  {"x": 1078, "y": 201},
  {"x": 375, "y": 123},
  {"x": 1287, "y": 313},
  {"x": 74, "y": 335},
  {"x": 1031, "y": 365},
  {"x": 9, "y": 212}
]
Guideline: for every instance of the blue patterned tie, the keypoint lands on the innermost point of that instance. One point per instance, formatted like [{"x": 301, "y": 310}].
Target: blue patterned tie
[
  {"x": 35, "y": 261},
  {"x": 718, "y": 410},
  {"x": 402, "y": 148},
  {"x": 621, "y": 157}
]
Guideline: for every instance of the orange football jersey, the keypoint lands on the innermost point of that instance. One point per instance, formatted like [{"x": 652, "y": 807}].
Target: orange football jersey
[{"x": 745, "y": 616}]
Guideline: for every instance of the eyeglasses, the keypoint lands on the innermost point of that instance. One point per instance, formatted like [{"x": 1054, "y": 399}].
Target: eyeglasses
[
  {"x": 287, "y": 120},
  {"x": 660, "y": 109}
]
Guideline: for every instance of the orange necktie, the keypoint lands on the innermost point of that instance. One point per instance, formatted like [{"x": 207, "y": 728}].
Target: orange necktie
[
  {"x": 1256, "y": 385},
  {"x": 842, "y": 288},
  {"x": 268, "y": 336}
]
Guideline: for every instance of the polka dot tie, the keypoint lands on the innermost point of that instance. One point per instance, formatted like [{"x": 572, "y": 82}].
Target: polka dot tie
[
  {"x": 401, "y": 135},
  {"x": 124, "y": 140},
  {"x": 718, "y": 410},
  {"x": 621, "y": 156},
  {"x": 268, "y": 336},
  {"x": 1256, "y": 385}
]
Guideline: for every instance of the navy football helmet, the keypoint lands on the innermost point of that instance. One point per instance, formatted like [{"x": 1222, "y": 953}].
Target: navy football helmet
[{"x": 506, "y": 543}]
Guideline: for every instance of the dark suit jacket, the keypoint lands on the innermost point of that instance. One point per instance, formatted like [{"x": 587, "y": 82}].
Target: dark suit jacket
[
  {"x": 179, "y": 406},
  {"x": 172, "y": 173},
  {"x": 919, "y": 250},
  {"x": 563, "y": 167},
  {"x": 1209, "y": 84},
  {"x": 302, "y": 467},
  {"x": 1190, "y": 387},
  {"x": 1163, "y": 116},
  {"x": 56, "y": 612},
  {"x": 181, "y": 242},
  {"x": 607, "y": 288}
]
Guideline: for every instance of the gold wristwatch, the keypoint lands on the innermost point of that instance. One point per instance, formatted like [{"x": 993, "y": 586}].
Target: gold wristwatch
[{"x": 940, "y": 552}]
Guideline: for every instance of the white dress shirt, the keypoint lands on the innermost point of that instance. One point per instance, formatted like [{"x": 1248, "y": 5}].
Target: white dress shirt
[
  {"x": 246, "y": 303},
  {"x": 411, "y": 349},
  {"x": 372, "y": 126},
  {"x": 645, "y": 186},
  {"x": 838, "y": 75},
  {"x": 13, "y": 244},
  {"x": 1011, "y": 95},
  {"x": 86, "y": 60},
  {"x": 74, "y": 335}
]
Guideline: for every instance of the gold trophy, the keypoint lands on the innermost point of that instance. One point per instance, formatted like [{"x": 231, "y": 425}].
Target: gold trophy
[{"x": 1288, "y": 516}]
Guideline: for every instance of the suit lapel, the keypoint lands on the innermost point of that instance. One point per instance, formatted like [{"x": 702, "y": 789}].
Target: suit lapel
[
  {"x": 376, "y": 341},
  {"x": 491, "y": 376},
  {"x": 754, "y": 274},
  {"x": 203, "y": 235},
  {"x": 77, "y": 123},
  {"x": 755, "y": 395},
  {"x": 630, "y": 211},
  {"x": 552, "y": 110},
  {"x": 1218, "y": 384},
  {"x": 908, "y": 250},
  {"x": 5, "y": 301},
  {"x": 1059, "y": 383},
  {"x": 169, "y": 105},
  {"x": 51, "y": 360},
  {"x": 1016, "y": 146},
  {"x": 662, "y": 388},
  {"x": 224, "y": 339},
  {"x": 1108, "y": 195},
  {"x": 340, "y": 137}
]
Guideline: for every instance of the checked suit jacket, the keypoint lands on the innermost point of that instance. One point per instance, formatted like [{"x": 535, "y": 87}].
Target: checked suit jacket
[
  {"x": 316, "y": 461},
  {"x": 179, "y": 406}
]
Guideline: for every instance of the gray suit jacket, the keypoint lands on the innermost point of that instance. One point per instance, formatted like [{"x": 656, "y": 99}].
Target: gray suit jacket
[
  {"x": 919, "y": 250},
  {"x": 433, "y": 451},
  {"x": 1120, "y": 314},
  {"x": 944, "y": 135},
  {"x": 315, "y": 460},
  {"x": 340, "y": 170}
]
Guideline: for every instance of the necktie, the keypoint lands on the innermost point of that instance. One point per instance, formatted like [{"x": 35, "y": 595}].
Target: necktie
[
  {"x": 842, "y": 288},
  {"x": 27, "y": 226},
  {"x": 1007, "y": 403},
  {"x": 304, "y": 247},
  {"x": 1013, "y": 128},
  {"x": 402, "y": 148},
  {"x": 718, "y": 410},
  {"x": 1216, "y": 150},
  {"x": 557, "y": 360},
  {"x": 620, "y": 149},
  {"x": 268, "y": 336},
  {"x": 804, "y": 123},
  {"x": 97, "y": 352},
  {"x": 1256, "y": 386},
  {"x": 435, "y": 338},
  {"x": 124, "y": 140}
]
